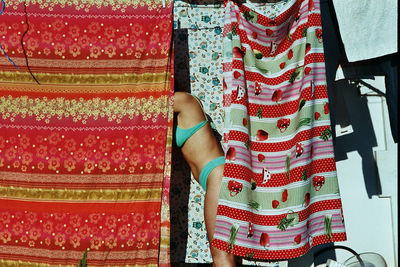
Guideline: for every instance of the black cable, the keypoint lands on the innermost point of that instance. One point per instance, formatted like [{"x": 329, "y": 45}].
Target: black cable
[
  {"x": 22, "y": 44},
  {"x": 340, "y": 247},
  {"x": 3, "y": 7}
]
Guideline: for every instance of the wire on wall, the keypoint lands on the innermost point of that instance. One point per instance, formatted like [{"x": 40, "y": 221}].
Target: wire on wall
[
  {"x": 22, "y": 44},
  {"x": 3, "y": 7}
]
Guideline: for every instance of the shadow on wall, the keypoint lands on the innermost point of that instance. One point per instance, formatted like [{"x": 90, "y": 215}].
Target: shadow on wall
[
  {"x": 350, "y": 108},
  {"x": 363, "y": 138}
]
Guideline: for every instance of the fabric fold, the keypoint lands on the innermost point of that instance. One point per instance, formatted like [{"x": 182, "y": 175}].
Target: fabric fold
[
  {"x": 280, "y": 195},
  {"x": 368, "y": 28}
]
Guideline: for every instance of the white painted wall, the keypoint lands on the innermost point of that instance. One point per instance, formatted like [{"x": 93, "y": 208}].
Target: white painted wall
[{"x": 371, "y": 216}]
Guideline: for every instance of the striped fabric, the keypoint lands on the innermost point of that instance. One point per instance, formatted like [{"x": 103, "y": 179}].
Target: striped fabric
[
  {"x": 83, "y": 138},
  {"x": 280, "y": 194}
]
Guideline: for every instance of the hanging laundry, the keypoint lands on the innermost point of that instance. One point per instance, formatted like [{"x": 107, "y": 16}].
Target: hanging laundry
[
  {"x": 83, "y": 155},
  {"x": 368, "y": 28},
  {"x": 280, "y": 195},
  {"x": 203, "y": 23}
]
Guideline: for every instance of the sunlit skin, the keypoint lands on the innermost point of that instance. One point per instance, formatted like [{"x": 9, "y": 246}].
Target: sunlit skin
[{"x": 198, "y": 150}]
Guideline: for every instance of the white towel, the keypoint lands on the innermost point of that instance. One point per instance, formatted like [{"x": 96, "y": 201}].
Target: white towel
[{"x": 368, "y": 27}]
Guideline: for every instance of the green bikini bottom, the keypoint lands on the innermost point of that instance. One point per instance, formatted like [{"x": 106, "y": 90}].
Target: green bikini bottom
[
  {"x": 205, "y": 172},
  {"x": 182, "y": 135}
]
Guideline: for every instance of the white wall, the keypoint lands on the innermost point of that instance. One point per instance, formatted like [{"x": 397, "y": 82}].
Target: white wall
[
  {"x": 367, "y": 171},
  {"x": 371, "y": 217}
]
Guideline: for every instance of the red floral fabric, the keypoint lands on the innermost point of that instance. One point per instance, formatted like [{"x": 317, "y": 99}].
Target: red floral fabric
[{"x": 83, "y": 128}]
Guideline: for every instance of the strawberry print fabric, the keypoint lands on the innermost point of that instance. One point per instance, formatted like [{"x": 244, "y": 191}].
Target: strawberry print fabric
[
  {"x": 280, "y": 194},
  {"x": 85, "y": 132}
]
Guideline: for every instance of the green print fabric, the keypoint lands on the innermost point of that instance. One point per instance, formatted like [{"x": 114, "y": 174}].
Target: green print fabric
[{"x": 279, "y": 195}]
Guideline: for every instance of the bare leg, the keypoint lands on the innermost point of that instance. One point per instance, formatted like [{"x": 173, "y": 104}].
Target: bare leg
[
  {"x": 220, "y": 257},
  {"x": 198, "y": 150}
]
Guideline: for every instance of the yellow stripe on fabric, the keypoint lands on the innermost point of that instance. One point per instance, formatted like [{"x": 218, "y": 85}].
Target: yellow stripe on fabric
[
  {"x": 150, "y": 4},
  {"x": 98, "y": 79},
  {"x": 79, "y": 178},
  {"x": 10, "y": 263},
  {"x": 119, "y": 195},
  {"x": 84, "y": 89},
  {"x": 97, "y": 64},
  {"x": 95, "y": 255},
  {"x": 164, "y": 241},
  {"x": 164, "y": 255},
  {"x": 44, "y": 109},
  {"x": 25, "y": 253}
]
